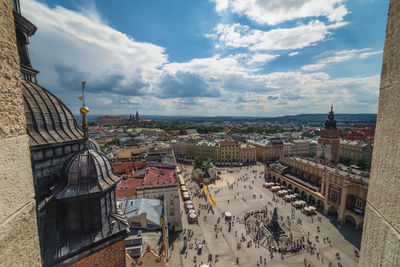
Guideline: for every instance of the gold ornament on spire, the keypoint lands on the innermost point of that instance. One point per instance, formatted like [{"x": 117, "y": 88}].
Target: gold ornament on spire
[{"x": 83, "y": 110}]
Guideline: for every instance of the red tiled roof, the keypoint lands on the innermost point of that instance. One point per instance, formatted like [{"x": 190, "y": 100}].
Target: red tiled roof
[
  {"x": 130, "y": 183},
  {"x": 128, "y": 167},
  {"x": 159, "y": 176},
  {"x": 154, "y": 177}
]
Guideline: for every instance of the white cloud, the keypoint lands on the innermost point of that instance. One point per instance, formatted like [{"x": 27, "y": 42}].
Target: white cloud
[
  {"x": 70, "y": 45},
  {"x": 340, "y": 56},
  {"x": 260, "y": 59},
  {"x": 220, "y": 5},
  {"x": 273, "y": 12},
  {"x": 293, "y": 54},
  {"x": 303, "y": 35},
  {"x": 126, "y": 74},
  {"x": 132, "y": 100},
  {"x": 368, "y": 54}
]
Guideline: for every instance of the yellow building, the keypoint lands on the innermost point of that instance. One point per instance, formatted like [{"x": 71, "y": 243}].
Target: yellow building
[{"x": 229, "y": 151}]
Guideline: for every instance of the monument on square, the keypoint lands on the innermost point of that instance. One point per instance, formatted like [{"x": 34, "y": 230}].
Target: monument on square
[{"x": 273, "y": 226}]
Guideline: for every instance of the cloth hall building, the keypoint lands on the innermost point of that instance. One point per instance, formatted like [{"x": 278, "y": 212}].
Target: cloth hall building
[{"x": 339, "y": 193}]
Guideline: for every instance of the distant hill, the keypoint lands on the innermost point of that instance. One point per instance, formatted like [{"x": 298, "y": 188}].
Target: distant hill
[
  {"x": 301, "y": 118},
  {"x": 304, "y": 118}
]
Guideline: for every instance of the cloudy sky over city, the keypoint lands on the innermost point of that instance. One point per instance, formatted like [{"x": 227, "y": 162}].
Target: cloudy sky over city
[{"x": 211, "y": 57}]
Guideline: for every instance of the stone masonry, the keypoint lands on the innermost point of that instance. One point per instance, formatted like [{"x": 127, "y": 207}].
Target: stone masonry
[
  {"x": 19, "y": 243},
  {"x": 381, "y": 236}
]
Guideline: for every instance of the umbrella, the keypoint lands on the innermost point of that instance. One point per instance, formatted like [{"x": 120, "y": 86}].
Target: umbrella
[
  {"x": 192, "y": 211},
  {"x": 228, "y": 214},
  {"x": 192, "y": 215},
  {"x": 188, "y": 202},
  {"x": 190, "y": 207}
]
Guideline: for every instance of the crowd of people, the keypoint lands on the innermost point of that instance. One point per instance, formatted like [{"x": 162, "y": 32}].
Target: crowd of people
[{"x": 255, "y": 234}]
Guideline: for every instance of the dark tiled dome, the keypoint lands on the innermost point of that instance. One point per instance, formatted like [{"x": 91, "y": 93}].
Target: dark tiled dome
[
  {"x": 94, "y": 145},
  {"x": 88, "y": 172},
  {"x": 48, "y": 120}
]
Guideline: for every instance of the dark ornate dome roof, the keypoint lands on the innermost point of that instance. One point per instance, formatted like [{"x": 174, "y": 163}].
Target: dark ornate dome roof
[
  {"x": 88, "y": 172},
  {"x": 94, "y": 145},
  {"x": 48, "y": 119}
]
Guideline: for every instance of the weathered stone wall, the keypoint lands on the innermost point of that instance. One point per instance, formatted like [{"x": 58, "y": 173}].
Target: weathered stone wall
[
  {"x": 19, "y": 245},
  {"x": 381, "y": 236}
]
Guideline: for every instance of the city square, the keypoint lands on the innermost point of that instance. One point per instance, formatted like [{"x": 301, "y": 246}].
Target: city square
[{"x": 238, "y": 193}]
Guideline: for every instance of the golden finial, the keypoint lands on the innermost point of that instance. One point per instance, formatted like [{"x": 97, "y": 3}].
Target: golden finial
[{"x": 84, "y": 110}]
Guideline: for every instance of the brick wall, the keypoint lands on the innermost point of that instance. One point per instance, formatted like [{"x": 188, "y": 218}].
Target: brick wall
[{"x": 112, "y": 256}]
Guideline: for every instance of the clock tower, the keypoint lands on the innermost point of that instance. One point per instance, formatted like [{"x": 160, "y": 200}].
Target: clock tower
[{"x": 328, "y": 142}]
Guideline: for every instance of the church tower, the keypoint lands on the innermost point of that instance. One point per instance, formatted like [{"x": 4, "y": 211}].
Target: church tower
[
  {"x": 137, "y": 116},
  {"x": 328, "y": 142}
]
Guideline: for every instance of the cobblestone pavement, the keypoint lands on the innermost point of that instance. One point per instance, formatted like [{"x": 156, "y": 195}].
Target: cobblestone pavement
[{"x": 225, "y": 245}]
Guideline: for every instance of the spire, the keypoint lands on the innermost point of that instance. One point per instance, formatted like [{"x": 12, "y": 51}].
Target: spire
[
  {"x": 330, "y": 123},
  {"x": 84, "y": 110}
]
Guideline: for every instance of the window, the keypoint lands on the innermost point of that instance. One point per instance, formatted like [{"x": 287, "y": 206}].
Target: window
[
  {"x": 334, "y": 196},
  {"x": 359, "y": 204}
]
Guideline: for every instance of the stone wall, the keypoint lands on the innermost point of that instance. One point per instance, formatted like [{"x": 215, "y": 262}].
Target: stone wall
[
  {"x": 112, "y": 256},
  {"x": 19, "y": 243},
  {"x": 381, "y": 236}
]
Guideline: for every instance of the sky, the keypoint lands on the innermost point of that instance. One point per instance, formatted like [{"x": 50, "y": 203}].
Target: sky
[{"x": 210, "y": 57}]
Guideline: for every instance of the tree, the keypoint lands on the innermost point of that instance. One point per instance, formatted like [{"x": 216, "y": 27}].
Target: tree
[
  {"x": 361, "y": 163},
  {"x": 345, "y": 161},
  {"x": 198, "y": 163},
  {"x": 307, "y": 134}
]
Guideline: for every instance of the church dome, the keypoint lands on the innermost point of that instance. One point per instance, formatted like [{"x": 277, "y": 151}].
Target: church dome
[
  {"x": 48, "y": 120},
  {"x": 88, "y": 172},
  {"x": 94, "y": 145}
]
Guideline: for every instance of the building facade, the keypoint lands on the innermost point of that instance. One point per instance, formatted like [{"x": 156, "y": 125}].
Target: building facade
[
  {"x": 301, "y": 147},
  {"x": 229, "y": 151},
  {"x": 180, "y": 149},
  {"x": 110, "y": 121},
  {"x": 288, "y": 148},
  {"x": 205, "y": 150},
  {"x": 268, "y": 150},
  {"x": 337, "y": 193},
  {"x": 355, "y": 150},
  {"x": 190, "y": 149},
  {"x": 247, "y": 153}
]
